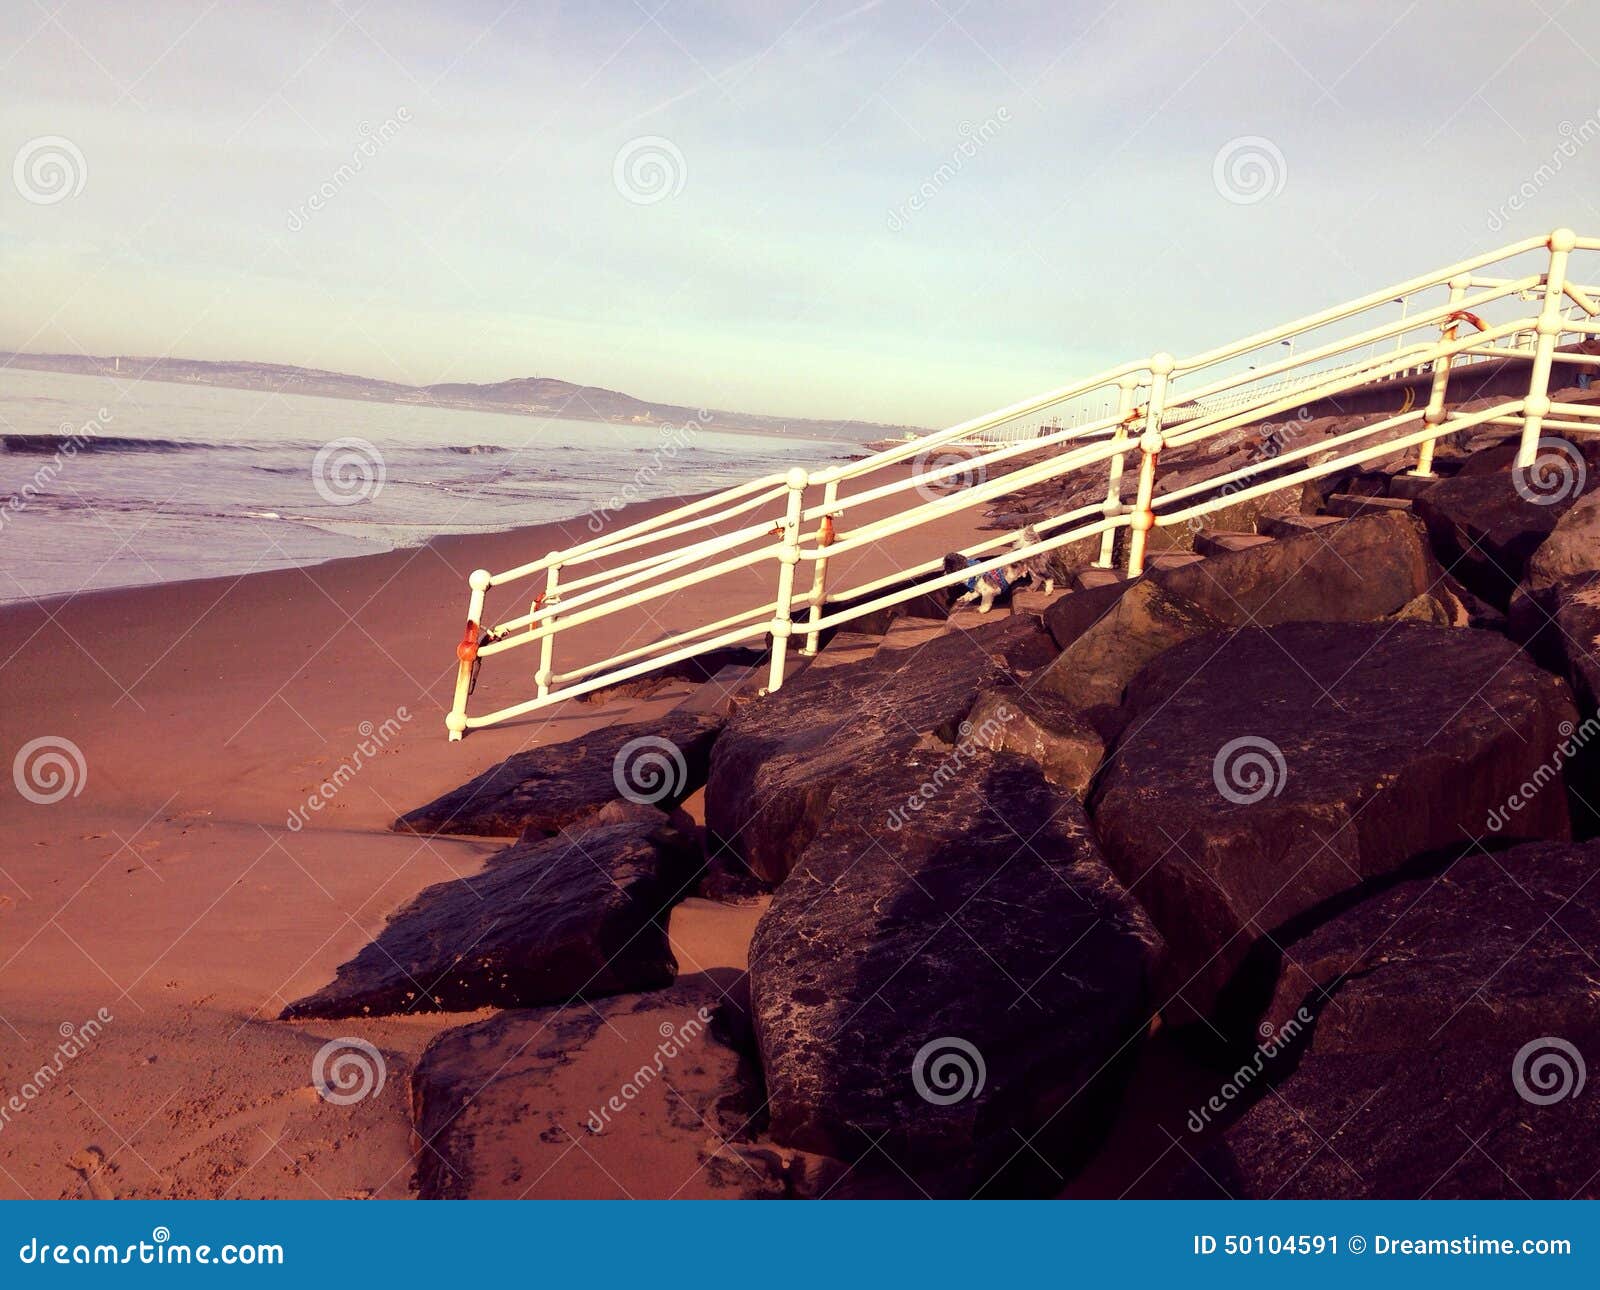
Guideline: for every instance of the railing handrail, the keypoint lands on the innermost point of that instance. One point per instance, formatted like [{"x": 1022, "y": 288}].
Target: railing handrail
[{"x": 1148, "y": 400}]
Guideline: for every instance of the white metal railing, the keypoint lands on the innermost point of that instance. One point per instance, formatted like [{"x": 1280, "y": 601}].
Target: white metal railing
[{"x": 1137, "y": 409}]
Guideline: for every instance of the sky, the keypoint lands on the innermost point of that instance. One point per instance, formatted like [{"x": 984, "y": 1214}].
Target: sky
[{"x": 907, "y": 211}]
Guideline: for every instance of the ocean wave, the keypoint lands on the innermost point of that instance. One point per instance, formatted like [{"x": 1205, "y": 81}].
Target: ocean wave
[{"x": 49, "y": 444}]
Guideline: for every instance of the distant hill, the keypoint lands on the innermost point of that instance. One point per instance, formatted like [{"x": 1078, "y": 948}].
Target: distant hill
[{"x": 541, "y": 396}]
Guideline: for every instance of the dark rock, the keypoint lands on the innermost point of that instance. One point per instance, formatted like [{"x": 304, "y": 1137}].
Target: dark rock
[
  {"x": 1069, "y": 616},
  {"x": 1021, "y": 644},
  {"x": 1039, "y": 726},
  {"x": 617, "y": 1099},
  {"x": 1351, "y": 505},
  {"x": 1217, "y": 541},
  {"x": 549, "y": 920},
  {"x": 1293, "y": 524},
  {"x": 1435, "y": 610},
  {"x": 1269, "y": 772},
  {"x": 1146, "y": 621},
  {"x": 1452, "y": 1017},
  {"x": 1573, "y": 547},
  {"x": 721, "y": 694},
  {"x": 779, "y": 761},
  {"x": 659, "y": 762},
  {"x": 1357, "y": 571},
  {"x": 949, "y": 965},
  {"x": 1496, "y": 946},
  {"x": 1486, "y": 528},
  {"x": 1577, "y": 620}
]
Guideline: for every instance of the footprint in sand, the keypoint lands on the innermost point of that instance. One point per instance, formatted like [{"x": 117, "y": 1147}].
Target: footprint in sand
[{"x": 91, "y": 1166}]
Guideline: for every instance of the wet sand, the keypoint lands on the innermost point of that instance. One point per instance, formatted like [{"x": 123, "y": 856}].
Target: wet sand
[{"x": 171, "y": 895}]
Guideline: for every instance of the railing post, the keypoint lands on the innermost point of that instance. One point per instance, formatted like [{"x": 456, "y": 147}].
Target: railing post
[
  {"x": 1150, "y": 444},
  {"x": 1113, "y": 506},
  {"x": 1434, "y": 416},
  {"x": 455, "y": 720},
  {"x": 788, "y": 557},
  {"x": 1537, "y": 405},
  {"x": 547, "y": 647},
  {"x": 819, "y": 580}
]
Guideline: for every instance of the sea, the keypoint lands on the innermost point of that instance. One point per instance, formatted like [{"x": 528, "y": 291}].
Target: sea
[{"x": 106, "y": 482}]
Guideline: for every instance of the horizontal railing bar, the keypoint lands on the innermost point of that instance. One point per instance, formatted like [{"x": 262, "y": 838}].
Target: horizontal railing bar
[
  {"x": 1427, "y": 318},
  {"x": 1311, "y": 322},
  {"x": 953, "y": 471},
  {"x": 1194, "y": 434},
  {"x": 1398, "y": 444},
  {"x": 762, "y": 614},
  {"x": 566, "y": 620},
  {"x": 646, "y": 539},
  {"x": 1027, "y": 407},
  {"x": 600, "y": 682},
  {"x": 607, "y": 541}
]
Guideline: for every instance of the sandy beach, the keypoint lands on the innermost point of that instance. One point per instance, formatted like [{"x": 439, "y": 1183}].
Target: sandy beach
[{"x": 154, "y": 920}]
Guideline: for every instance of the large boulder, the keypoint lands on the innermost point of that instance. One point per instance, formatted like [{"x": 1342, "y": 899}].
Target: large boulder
[
  {"x": 1069, "y": 616},
  {"x": 1039, "y": 726},
  {"x": 624, "y": 1098},
  {"x": 1573, "y": 547},
  {"x": 1265, "y": 774},
  {"x": 547, "y": 921},
  {"x": 1146, "y": 621},
  {"x": 779, "y": 762},
  {"x": 1487, "y": 522},
  {"x": 1497, "y": 945},
  {"x": 657, "y": 762},
  {"x": 949, "y": 966},
  {"x": 1577, "y": 636},
  {"x": 1451, "y": 1021},
  {"x": 1358, "y": 571}
]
